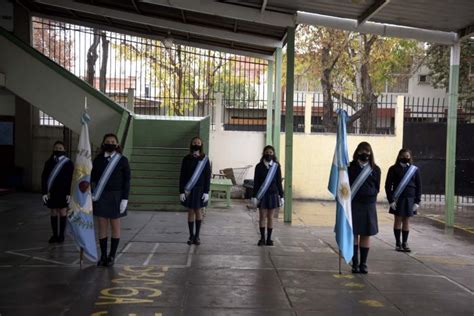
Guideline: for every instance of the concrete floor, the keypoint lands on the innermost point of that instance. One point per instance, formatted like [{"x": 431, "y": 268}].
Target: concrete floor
[{"x": 158, "y": 274}]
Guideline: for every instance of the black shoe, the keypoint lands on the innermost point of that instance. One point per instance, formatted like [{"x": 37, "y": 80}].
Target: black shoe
[
  {"x": 197, "y": 241},
  {"x": 60, "y": 239},
  {"x": 269, "y": 242},
  {"x": 355, "y": 268},
  {"x": 398, "y": 247},
  {"x": 190, "y": 240},
  {"x": 363, "y": 268},
  {"x": 261, "y": 242},
  {"x": 102, "y": 262},
  {"x": 110, "y": 261},
  {"x": 53, "y": 239},
  {"x": 405, "y": 247}
]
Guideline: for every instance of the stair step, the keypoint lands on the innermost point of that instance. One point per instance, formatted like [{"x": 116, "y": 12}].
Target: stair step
[
  {"x": 156, "y": 207},
  {"x": 162, "y": 159},
  {"x": 175, "y": 167},
  {"x": 157, "y": 190},
  {"x": 150, "y": 181},
  {"x": 160, "y": 151},
  {"x": 161, "y": 174},
  {"x": 153, "y": 198}
]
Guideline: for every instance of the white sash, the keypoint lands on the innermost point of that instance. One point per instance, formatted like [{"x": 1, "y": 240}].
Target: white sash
[
  {"x": 54, "y": 173},
  {"x": 196, "y": 174},
  {"x": 268, "y": 179},
  {"x": 105, "y": 177},
  {"x": 403, "y": 184},
  {"x": 360, "y": 180}
]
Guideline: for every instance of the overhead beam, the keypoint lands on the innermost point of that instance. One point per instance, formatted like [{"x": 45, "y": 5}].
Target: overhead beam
[
  {"x": 162, "y": 23},
  {"x": 190, "y": 43},
  {"x": 466, "y": 32},
  {"x": 371, "y": 11},
  {"x": 229, "y": 11},
  {"x": 389, "y": 30}
]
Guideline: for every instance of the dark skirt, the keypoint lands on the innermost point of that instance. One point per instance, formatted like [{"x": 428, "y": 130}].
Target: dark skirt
[
  {"x": 404, "y": 207},
  {"x": 194, "y": 199},
  {"x": 364, "y": 219},
  {"x": 108, "y": 205},
  {"x": 269, "y": 201},
  {"x": 57, "y": 200}
]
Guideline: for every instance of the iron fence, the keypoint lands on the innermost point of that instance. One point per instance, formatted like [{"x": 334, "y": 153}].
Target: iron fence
[
  {"x": 154, "y": 78},
  {"x": 375, "y": 117},
  {"x": 435, "y": 110}
]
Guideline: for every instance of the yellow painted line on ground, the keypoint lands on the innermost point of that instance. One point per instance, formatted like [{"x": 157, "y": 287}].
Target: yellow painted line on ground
[
  {"x": 343, "y": 276},
  {"x": 371, "y": 303},
  {"x": 439, "y": 220},
  {"x": 354, "y": 285}
]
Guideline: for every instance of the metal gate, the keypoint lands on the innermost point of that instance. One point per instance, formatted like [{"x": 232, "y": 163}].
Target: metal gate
[{"x": 425, "y": 131}]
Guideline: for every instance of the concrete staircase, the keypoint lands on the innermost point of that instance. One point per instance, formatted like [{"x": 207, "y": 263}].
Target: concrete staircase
[{"x": 155, "y": 178}]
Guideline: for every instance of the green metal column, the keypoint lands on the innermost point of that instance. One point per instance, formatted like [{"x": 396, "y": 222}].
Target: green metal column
[
  {"x": 290, "y": 70},
  {"x": 277, "y": 125},
  {"x": 269, "y": 103},
  {"x": 450, "y": 203}
]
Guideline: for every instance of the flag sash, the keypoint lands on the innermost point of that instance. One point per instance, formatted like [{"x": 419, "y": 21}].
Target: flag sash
[
  {"x": 196, "y": 174},
  {"x": 268, "y": 180},
  {"x": 104, "y": 178},
  {"x": 403, "y": 184},
  {"x": 54, "y": 173},
  {"x": 360, "y": 180}
]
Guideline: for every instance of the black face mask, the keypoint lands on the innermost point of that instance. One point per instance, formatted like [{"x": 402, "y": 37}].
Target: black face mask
[
  {"x": 196, "y": 147},
  {"x": 109, "y": 147},
  {"x": 59, "y": 153},
  {"x": 404, "y": 160},
  {"x": 268, "y": 157},
  {"x": 363, "y": 157}
]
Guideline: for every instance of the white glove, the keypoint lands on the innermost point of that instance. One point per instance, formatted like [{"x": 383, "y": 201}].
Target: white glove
[
  {"x": 45, "y": 198},
  {"x": 393, "y": 205},
  {"x": 123, "y": 206},
  {"x": 205, "y": 197},
  {"x": 182, "y": 197},
  {"x": 282, "y": 202},
  {"x": 415, "y": 207},
  {"x": 254, "y": 202},
  {"x": 68, "y": 199}
]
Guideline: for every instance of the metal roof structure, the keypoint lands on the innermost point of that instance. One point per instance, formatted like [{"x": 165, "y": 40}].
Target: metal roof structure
[{"x": 258, "y": 27}]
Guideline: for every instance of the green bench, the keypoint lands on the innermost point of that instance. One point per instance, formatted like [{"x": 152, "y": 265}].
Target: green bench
[{"x": 220, "y": 185}]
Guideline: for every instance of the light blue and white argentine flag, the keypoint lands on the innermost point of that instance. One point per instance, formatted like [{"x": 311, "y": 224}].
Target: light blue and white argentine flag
[
  {"x": 81, "y": 220},
  {"x": 340, "y": 188}
]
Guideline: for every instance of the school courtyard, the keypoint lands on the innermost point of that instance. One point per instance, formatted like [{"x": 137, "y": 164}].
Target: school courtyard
[{"x": 157, "y": 273}]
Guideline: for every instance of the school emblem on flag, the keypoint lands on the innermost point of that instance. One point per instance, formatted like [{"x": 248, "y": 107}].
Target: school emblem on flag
[
  {"x": 81, "y": 221},
  {"x": 340, "y": 188}
]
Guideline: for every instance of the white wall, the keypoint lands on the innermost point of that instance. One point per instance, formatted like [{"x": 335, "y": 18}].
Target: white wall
[
  {"x": 415, "y": 89},
  {"x": 234, "y": 149}
]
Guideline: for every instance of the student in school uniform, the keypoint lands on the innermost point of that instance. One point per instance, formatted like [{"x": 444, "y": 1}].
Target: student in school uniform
[
  {"x": 403, "y": 188},
  {"x": 364, "y": 177},
  {"x": 110, "y": 177},
  {"x": 194, "y": 185},
  {"x": 267, "y": 192},
  {"x": 56, "y": 187}
]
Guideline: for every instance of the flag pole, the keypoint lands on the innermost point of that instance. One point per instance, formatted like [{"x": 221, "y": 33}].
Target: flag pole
[{"x": 340, "y": 259}]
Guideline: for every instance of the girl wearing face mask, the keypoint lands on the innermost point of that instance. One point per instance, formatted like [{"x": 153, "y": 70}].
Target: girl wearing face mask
[
  {"x": 267, "y": 192},
  {"x": 403, "y": 188},
  {"x": 364, "y": 177},
  {"x": 110, "y": 178},
  {"x": 55, "y": 187},
  {"x": 194, "y": 185}
]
